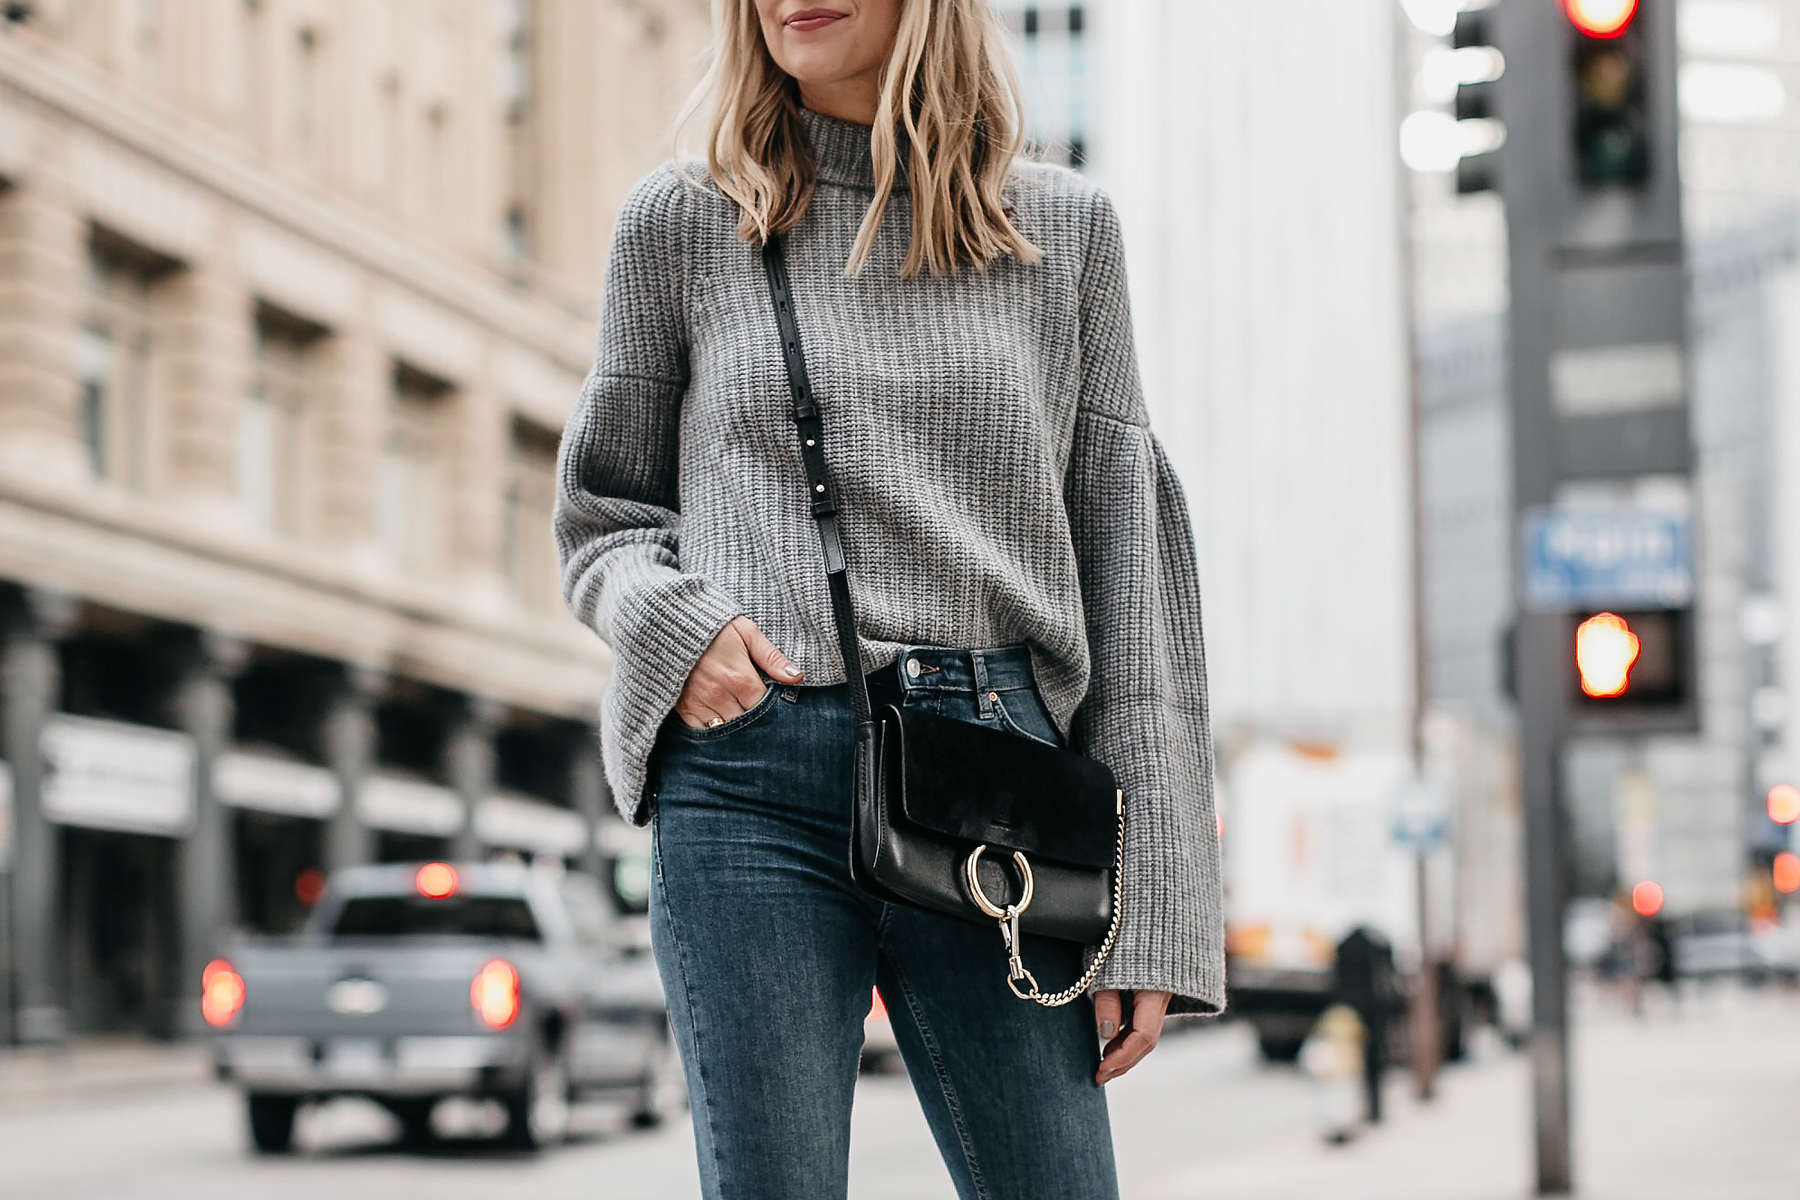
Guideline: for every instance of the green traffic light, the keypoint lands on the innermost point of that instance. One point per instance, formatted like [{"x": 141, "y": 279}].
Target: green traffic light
[{"x": 1612, "y": 128}]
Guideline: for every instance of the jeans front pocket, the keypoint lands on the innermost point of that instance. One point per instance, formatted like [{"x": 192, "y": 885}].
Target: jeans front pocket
[
  {"x": 1023, "y": 712},
  {"x": 731, "y": 725}
]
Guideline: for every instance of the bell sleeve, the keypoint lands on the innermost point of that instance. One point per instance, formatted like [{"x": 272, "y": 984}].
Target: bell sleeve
[
  {"x": 1145, "y": 714},
  {"x": 617, "y": 518}
]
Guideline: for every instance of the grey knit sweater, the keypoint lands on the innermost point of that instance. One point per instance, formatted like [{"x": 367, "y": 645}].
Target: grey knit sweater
[{"x": 997, "y": 482}]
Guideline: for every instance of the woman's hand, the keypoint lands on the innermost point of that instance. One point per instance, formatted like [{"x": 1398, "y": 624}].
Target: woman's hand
[
  {"x": 725, "y": 682},
  {"x": 1127, "y": 1041}
]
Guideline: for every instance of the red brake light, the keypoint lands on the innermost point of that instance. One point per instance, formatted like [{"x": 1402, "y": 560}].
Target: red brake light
[
  {"x": 1647, "y": 898},
  {"x": 1787, "y": 872},
  {"x": 309, "y": 885},
  {"x": 221, "y": 993},
  {"x": 436, "y": 881},
  {"x": 495, "y": 993},
  {"x": 877, "y": 1008}
]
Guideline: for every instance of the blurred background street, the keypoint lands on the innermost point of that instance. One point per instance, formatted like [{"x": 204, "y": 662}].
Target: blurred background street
[
  {"x": 1469, "y": 327},
  {"x": 1673, "y": 1106}
]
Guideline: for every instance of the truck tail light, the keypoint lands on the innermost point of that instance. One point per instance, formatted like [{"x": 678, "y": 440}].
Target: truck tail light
[
  {"x": 495, "y": 993},
  {"x": 436, "y": 881},
  {"x": 221, "y": 993}
]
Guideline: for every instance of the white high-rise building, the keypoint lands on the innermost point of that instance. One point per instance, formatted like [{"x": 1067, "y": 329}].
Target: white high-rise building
[{"x": 1251, "y": 151}]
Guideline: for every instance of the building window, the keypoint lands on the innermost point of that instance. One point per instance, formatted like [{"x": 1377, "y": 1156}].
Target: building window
[
  {"x": 516, "y": 72},
  {"x": 273, "y": 434},
  {"x": 146, "y": 42},
  {"x": 112, "y": 363},
  {"x": 409, "y": 498},
  {"x": 516, "y": 86},
  {"x": 1052, "y": 57},
  {"x": 306, "y": 96},
  {"x": 527, "y": 545},
  {"x": 515, "y": 244},
  {"x": 437, "y": 161}
]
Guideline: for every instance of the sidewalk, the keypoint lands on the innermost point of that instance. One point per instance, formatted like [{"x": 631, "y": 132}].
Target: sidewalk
[
  {"x": 1694, "y": 1105},
  {"x": 96, "y": 1067}
]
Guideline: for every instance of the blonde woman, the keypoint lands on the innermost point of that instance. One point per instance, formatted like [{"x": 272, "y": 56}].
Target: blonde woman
[{"x": 1019, "y": 554}]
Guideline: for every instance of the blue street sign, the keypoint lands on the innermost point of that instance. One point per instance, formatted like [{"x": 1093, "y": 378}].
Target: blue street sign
[{"x": 1606, "y": 558}]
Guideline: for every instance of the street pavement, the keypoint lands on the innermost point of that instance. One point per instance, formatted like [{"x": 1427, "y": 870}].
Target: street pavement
[{"x": 1690, "y": 1104}]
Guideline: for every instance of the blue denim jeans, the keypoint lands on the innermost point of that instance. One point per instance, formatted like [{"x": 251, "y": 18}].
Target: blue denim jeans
[{"x": 768, "y": 951}]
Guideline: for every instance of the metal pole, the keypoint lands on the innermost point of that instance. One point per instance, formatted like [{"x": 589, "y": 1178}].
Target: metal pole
[
  {"x": 1427, "y": 1038},
  {"x": 1539, "y": 651},
  {"x": 1534, "y": 38}
]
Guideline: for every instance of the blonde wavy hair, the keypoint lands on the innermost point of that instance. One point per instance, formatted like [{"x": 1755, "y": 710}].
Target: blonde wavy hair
[{"x": 949, "y": 87}]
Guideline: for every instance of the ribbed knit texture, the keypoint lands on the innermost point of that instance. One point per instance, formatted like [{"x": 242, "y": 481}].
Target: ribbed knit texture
[{"x": 997, "y": 482}]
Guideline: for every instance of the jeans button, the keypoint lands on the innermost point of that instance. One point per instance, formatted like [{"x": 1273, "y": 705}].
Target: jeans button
[{"x": 912, "y": 667}]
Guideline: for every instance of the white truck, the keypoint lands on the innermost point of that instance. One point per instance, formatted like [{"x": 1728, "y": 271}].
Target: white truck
[
  {"x": 1315, "y": 843},
  {"x": 1309, "y": 855}
]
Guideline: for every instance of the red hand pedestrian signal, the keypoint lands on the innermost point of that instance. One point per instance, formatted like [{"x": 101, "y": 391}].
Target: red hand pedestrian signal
[
  {"x": 1601, "y": 18},
  {"x": 1605, "y": 651}
]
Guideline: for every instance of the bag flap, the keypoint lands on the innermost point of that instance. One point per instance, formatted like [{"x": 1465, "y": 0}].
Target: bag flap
[{"x": 979, "y": 784}]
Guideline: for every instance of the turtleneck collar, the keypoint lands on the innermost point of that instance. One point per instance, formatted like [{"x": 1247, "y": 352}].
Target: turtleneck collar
[{"x": 841, "y": 151}]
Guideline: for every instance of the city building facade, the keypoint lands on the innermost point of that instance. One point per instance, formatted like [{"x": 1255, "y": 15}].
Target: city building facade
[
  {"x": 1052, "y": 50},
  {"x": 295, "y": 296}
]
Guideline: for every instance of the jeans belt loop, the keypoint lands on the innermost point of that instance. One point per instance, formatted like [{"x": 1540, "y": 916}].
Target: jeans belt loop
[{"x": 982, "y": 704}]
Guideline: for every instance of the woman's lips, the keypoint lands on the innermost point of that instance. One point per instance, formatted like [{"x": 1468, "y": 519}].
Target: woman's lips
[{"x": 809, "y": 19}]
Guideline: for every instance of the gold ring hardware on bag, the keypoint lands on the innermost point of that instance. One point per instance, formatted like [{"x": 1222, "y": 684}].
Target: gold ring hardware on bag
[
  {"x": 980, "y": 897},
  {"x": 1008, "y": 916}
]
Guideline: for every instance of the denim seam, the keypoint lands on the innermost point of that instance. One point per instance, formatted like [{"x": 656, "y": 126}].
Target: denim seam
[
  {"x": 687, "y": 992},
  {"x": 943, "y": 1077}
]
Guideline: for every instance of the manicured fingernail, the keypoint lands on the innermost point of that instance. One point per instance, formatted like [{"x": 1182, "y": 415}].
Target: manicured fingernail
[
  {"x": 792, "y": 669},
  {"x": 1106, "y": 1029}
]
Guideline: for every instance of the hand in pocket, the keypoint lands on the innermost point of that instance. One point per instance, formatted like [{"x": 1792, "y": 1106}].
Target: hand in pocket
[{"x": 726, "y": 681}]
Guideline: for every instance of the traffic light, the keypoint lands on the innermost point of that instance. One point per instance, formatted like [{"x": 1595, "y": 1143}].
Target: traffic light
[
  {"x": 1784, "y": 804},
  {"x": 1612, "y": 127},
  {"x": 1633, "y": 670},
  {"x": 1477, "y": 94}
]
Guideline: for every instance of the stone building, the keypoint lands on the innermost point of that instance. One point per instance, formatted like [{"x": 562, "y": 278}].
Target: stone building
[{"x": 294, "y": 298}]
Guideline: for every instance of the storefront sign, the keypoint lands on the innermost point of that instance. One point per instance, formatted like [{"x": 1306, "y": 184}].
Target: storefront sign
[
  {"x": 407, "y": 806},
  {"x": 275, "y": 785},
  {"x": 109, "y": 775},
  {"x": 525, "y": 824}
]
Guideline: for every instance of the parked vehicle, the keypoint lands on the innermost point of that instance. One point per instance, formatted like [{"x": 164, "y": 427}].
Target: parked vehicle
[
  {"x": 413, "y": 983},
  {"x": 1313, "y": 847},
  {"x": 1730, "y": 943},
  {"x": 1309, "y": 856}
]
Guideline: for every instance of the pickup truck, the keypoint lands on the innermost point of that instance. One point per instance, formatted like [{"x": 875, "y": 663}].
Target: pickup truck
[{"x": 413, "y": 983}]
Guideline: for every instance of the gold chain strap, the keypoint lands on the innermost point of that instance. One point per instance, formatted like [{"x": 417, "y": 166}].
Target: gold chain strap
[{"x": 1009, "y": 924}]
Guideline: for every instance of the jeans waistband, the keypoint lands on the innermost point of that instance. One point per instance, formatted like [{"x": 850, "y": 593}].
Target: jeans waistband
[{"x": 951, "y": 668}]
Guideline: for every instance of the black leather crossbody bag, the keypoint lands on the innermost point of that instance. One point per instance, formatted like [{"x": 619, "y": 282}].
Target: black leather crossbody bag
[{"x": 955, "y": 817}]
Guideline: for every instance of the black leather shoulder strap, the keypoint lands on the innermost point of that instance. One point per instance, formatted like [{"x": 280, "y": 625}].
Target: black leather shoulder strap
[{"x": 812, "y": 451}]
